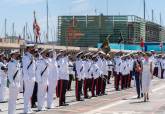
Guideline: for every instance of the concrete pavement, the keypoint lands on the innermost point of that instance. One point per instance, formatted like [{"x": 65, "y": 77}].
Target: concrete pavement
[{"x": 116, "y": 102}]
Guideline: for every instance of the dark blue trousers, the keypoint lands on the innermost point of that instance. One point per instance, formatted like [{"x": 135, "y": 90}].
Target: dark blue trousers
[{"x": 138, "y": 83}]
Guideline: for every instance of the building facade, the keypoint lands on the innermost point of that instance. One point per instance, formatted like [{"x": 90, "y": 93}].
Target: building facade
[{"x": 88, "y": 31}]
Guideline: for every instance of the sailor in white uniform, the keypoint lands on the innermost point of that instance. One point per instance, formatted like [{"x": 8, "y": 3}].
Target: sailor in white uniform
[
  {"x": 63, "y": 66},
  {"x": 52, "y": 78},
  {"x": 14, "y": 81},
  {"x": 79, "y": 77},
  {"x": 29, "y": 70},
  {"x": 42, "y": 73},
  {"x": 3, "y": 78},
  {"x": 163, "y": 67}
]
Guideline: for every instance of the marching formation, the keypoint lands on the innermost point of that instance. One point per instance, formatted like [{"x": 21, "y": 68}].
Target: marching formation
[{"x": 41, "y": 74}]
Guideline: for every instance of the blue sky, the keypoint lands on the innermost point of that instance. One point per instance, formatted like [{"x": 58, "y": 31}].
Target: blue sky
[{"x": 21, "y": 11}]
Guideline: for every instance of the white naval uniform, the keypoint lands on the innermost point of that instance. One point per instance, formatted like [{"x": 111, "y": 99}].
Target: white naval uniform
[
  {"x": 118, "y": 62},
  {"x": 152, "y": 58},
  {"x": 14, "y": 84},
  {"x": 128, "y": 66},
  {"x": 52, "y": 81},
  {"x": 29, "y": 80},
  {"x": 120, "y": 66},
  {"x": 83, "y": 70},
  {"x": 163, "y": 67},
  {"x": 156, "y": 62},
  {"x": 87, "y": 66},
  {"x": 95, "y": 71},
  {"x": 105, "y": 67},
  {"x": 21, "y": 80},
  {"x": 3, "y": 83},
  {"x": 89, "y": 74},
  {"x": 159, "y": 67},
  {"x": 110, "y": 66},
  {"x": 79, "y": 66},
  {"x": 71, "y": 66},
  {"x": 42, "y": 73},
  {"x": 131, "y": 61},
  {"x": 100, "y": 64},
  {"x": 123, "y": 68},
  {"x": 63, "y": 64}
]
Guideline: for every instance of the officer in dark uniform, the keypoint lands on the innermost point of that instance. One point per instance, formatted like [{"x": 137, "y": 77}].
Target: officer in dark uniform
[{"x": 137, "y": 63}]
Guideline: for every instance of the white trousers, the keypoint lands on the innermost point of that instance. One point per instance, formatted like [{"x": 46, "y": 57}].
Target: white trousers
[
  {"x": 159, "y": 72},
  {"x": 13, "y": 93},
  {"x": 51, "y": 91},
  {"x": 41, "y": 95},
  {"x": 21, "y": 86},
  {"x": 29, "y": 86},
  {"x": 3, "y": 88}
]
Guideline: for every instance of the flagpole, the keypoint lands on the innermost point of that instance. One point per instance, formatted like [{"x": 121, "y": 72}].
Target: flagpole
[
  {"x": 24, "y": 32},
  {"x": 161, "y": 47},
  {"x": 144, "y": 6},
  {"x": 124, "y": 43},
  {"x": 5, "y": 28},
  {"x": 33, "y": 28},
  {"x": 107, "y": 5},
  {"x": 47, "y": 11}
]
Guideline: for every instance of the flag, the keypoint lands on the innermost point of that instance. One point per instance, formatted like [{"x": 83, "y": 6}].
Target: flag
[
  {"x": 121, "y": 38},
  {"x": 142, "y": 43},
  {"x": 161, "y": 44},
  {"x": 105, "y": 46},
  {"x": 36, "y": 28},
  {"x": 105, "y": 43}
]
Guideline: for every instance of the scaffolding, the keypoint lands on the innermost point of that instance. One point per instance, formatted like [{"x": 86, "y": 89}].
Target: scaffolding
[{"x": 88, "y": 31}]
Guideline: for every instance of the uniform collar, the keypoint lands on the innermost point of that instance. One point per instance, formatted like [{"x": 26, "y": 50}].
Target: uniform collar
[{"x": 13, "y": 60}]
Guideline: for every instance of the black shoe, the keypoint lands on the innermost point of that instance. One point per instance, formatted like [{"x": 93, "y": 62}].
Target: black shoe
[
  {"x": 87, "y": 97},
  {"x": 141, "y": 95},
  {"x": 63, "y": 104},
  {"x": 99, "y": 95},
  {"x": 138, "y": 97},
  {"x": 147, "y": 98},
  {"x": 94, "y": 95},
  {"x": 34, "y": 106},
  {"x": 117, "y": 89},
  {"x": 80, "y": 100},
  {"x": 4, "y": 102},
  {"x": 105, "y": 94}
]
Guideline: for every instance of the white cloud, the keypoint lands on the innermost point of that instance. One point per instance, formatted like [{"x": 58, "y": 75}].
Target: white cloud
[
  {"x": 80, "y": 7},
  {"x": 78, "y": 1},
  {"x": 23, "y": 2}
]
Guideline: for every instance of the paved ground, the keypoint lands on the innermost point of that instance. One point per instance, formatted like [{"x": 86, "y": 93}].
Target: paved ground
[{"x": 121, "y": 102}]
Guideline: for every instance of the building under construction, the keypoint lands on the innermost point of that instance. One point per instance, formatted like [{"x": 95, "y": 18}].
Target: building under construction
[{"x": 88, "y": 31}]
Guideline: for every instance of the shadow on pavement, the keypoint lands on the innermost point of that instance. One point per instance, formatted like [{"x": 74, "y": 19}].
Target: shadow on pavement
[{"x": 137, "y": 102}]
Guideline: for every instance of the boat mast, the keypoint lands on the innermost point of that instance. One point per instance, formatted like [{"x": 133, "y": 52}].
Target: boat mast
[
  {"x": 144, "y": 4},
  {"x": 47, "y": 11}
]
